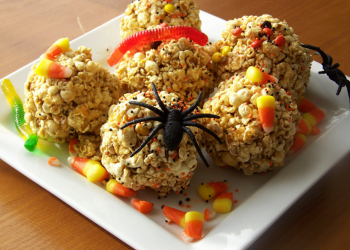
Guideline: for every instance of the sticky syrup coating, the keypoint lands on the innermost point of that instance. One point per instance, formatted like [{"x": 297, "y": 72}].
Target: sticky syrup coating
[
  {"x": 180, "y": 66},
  {"x": 246, "y": 146},
  {"x": 60, "y": 109},
  {"x": 290, "y": 64},
  {"x": 149, "y": 14},
  {"x": 154, "y": 166}
]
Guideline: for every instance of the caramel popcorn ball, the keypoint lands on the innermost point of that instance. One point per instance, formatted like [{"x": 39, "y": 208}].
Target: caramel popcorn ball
[
  {"x": 154, "y": 166},
  {"x": 59, "y": 109},
  {"x": 149, "y": 14},
  {"x": 246, "y": 146},
  {"x": 177, "y": 66},
  {"x": 290, "y": 64}
]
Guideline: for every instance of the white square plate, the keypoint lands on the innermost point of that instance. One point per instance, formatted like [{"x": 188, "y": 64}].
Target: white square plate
[{"x": 261, "y": 198}]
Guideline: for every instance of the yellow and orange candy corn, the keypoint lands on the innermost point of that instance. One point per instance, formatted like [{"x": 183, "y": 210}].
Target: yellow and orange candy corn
[
  {"x": 208, "y": 191},
  {"x": 299, "y": 141},
  {"x": 310, "y": 120},
  {"x": 194, "y": 224},
  {"x": 175, "y": 215},
  {"x": 73, "y": 147},
  {"x": 209, "y": 214},
  {"x": 143, "y": 206},
  {"x": 315, "y": 131},
  {"x": 223, "y": 203},
  {"x": 185, "y": 237},
  {"x": 304, "y": 127},
  {"x": 304, "y": 105},
  {"x": 266, "y": 108},
  {"x": 115, "y": 187},
  {"x": 60, "y": 46},
  {"x": 89, "y": 168},
  {"x": 50, "y": 69},
  {"x": 256, "y": 75},
  {"x": 314, "y": 117}
]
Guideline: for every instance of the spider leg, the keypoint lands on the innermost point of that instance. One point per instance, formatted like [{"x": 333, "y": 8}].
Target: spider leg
[
  {"x": 324, "y": 56},
  {"x": 190, "y": 134},
  {"x": 193, "y": 107},
  {"x": 144, "y": 143},
  {"x": 159, "y": 101},
  {"x": 336, "y": 65},
  {"x": 326, "y": 72},
  {"x": 348, "y": 88},
  {"x": 144, "y": 119},
  {"x": 191, "y": 117},
  {"x": 155, "y": 110},
  {"x": 194, "y": 124}
]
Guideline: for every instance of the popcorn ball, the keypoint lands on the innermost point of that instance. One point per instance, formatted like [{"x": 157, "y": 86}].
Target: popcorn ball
[
  {"x": 154, "y": 166},
  {"x": 247, "y": 146},
  {"x": 178, "y": 66},
  {"x": 150, "y": 14},
  {"x": 265, "y": 42},
  {"x": 59, "y": 109}
]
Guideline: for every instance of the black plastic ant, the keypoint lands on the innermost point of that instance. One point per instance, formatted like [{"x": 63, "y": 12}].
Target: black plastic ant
[
  {"x": 173, "y": 123},
  {"x": 332, "y": 71}
]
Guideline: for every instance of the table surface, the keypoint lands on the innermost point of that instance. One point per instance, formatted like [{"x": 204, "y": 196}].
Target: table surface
[{"x": 31, "y": 217}]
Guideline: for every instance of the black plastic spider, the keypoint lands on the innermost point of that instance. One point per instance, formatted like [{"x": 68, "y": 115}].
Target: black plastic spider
[
  {"x": 332, "y": 71},
  {"x": 173, "y": 123}
]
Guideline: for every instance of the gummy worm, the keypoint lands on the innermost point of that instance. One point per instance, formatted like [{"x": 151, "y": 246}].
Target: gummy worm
[
  {"x": 172, "y": 32},
  {"x": 17, "y": 108}
]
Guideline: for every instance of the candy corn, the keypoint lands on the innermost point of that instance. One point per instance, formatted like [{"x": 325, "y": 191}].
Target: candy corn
[
  {"x": 143, "y": 206},
  {"x": 304, "y": 105},
  {"x": 194, "y": 224},
  {"x": 208, "y": 191},
  {"x": 223, "y": 203},
  {"x": 255, "y": 75},
  {"x": 209, "y": 214},
  {"x": 89, "y": 168},
  {"x": 175, "y": 215},
  {"x": 73, "y": 147},
  {"x": 315, "y": 116},
  {"x": 304, "y": 127},
  {"x": 60, "y": 46},
  {"x": 53, "y": 161},
  {"x": 47, "y": 68},
  {"x": 185, "y": 237},
  {"x": 266, "y": 108},
  {"x": 315, "y": 131},
  {"x": 115, "y": 187},
  {"x": 299, "y": 141}
]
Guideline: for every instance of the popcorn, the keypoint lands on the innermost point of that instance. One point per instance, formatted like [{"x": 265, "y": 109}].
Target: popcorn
[
  {"x": 60, "y": 109},
  {"x": 142, "y": 15},
  {"x": 178, "y": 65},
  {"x": 246, "y": 146},
  {"x": 154, "y": 166},
  {"x": 290, "y": 64}
]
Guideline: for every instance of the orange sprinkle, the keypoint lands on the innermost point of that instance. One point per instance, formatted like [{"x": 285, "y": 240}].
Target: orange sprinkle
[
  {"x": 288, "y": 93},
  {"x": 169, "y": 89},
  {"x": 168, "y": 169},
  {"x": 168, "y": 222},
  {"x": 233, "y": 129},
  {"x": 188, "y": 206},
  {"x": 181, "y": 205},
  {"x": 154, "y": 139}
]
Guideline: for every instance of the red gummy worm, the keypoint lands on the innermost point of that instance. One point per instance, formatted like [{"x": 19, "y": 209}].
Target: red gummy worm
[{"x": 172, "y": 32}]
